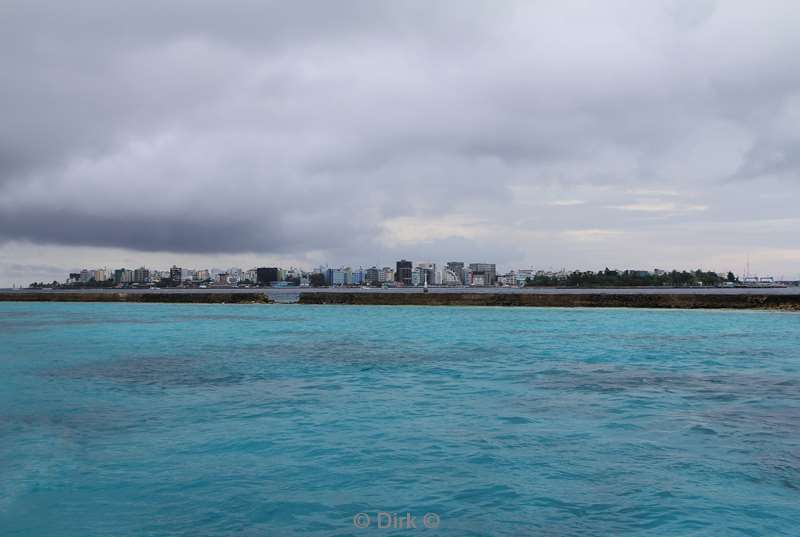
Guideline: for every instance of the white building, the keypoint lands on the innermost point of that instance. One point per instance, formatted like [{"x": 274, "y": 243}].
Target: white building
[
  {"x": 449, "y": 277},
  {"x": 508, "y": 280},
  {"x": 477, "y": 278},
  {"x": 250, "y": 275},
  {"x": 428, "y": 273},
  {"x": 127, "y": 276},
  {"x": 235, "y": 274}
]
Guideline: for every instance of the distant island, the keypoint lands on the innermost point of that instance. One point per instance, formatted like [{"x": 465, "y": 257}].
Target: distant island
[{"x": 452, "y": 274}]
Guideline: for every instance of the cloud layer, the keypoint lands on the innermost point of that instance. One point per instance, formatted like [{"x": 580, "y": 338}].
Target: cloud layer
[{"x": 552, "y": 134}]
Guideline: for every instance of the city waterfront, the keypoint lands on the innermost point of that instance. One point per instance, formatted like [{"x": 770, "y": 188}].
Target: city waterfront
[{"x": 203, "y": 419}]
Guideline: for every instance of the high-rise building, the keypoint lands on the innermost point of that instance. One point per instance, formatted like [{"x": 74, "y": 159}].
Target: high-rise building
[
  {"x": 416, "y": 276},
  {"x": 266, "y": 275},
  {"x": 427, "y": 273},
  {"x": 403, "y": 272},
  {"x": 141, "y": 275},
  {"x": 338, "y": 277},
  {"x": 100, "y": 275},
  {"x": 123, "y": 276},
  {"x": 235, "y": 274},
  {"x": 175, "y": 275},
  {"x": 457, "y": 269},
  {"x": 372, "y": 276},
  {"x": 449, "y": 277},
  {"x": 483, "y": 273},
  {"x": 250, "y": 276}
]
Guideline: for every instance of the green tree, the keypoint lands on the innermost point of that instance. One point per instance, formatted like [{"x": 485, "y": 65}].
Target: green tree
[{"x": 317, "y": 280}]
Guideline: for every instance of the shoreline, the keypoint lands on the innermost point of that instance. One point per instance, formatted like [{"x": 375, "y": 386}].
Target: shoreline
[
  {"x": 166, "y": 298},
  {"x": 611, "y": 298},
  {"x": 753, "y": 301}
]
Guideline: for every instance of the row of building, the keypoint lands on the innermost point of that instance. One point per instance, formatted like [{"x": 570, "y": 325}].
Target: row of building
[
  {"x": 404, "y": 273},
  {"x": 180, "y": 276},
  {"x": 452, "y": 273}
]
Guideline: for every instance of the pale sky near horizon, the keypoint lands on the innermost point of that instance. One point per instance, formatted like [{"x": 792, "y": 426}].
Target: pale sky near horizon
[{"x": 627, "y": 134}]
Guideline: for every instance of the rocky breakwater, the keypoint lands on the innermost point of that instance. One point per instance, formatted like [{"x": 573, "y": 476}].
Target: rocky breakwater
[
  {"x": 562, "y": 300},
  {"x": 122, "y": 296}
]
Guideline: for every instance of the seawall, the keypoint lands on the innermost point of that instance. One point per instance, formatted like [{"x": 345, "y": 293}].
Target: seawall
[
  {"x": 172, "y": 297},
  {"x": 710, "y": 300},
  {"x": 566, "y": 300}
]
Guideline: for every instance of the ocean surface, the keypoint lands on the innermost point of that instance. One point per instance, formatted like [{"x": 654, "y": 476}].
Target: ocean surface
[{"x": 219, "y": 420}]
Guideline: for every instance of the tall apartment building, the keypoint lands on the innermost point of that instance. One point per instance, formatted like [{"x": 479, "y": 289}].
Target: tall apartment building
[
  {"x": 372, "y": 276},
  {"x": 403, "y": 272},
  {"x": 250, "y": 276},
  {"x": 235, "y": 274},
  {"x": 175, "y": 275},
  {"x": 123, "y": 276},
  {"x": 457, "y": 270},
  {"x": 340, "y": 276},
  {"x": 141, "y": 275},
  {"x": 427, "y": 273},
  {"x": 483, "y": 273},
  {"x": 266, "y": 275}
]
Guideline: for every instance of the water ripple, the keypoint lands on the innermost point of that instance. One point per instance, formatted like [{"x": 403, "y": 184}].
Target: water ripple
[{"x": 287, "y": 420}]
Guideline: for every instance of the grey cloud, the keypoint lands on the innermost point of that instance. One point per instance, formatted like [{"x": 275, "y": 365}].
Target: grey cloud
[
  {"x": 23, "y": 274},
  {"x": 294, "y": 127},
  {"x": 162, "y": 234}
]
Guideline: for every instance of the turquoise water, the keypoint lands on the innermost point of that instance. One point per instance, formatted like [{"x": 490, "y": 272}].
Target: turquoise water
[{"x": 217, "y": 420}]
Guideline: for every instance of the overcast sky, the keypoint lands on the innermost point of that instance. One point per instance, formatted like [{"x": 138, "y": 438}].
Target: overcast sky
[{"x": 547, "y": 134}]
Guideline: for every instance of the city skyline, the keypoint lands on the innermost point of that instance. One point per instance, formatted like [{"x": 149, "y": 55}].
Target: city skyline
[
  {"x": 625, "y": 134},
  {"x": 405, "y": 273},
  {"x": 746, "y": 271}
]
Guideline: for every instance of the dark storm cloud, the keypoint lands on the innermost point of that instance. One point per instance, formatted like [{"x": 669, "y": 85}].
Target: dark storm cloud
[
  {"x": 194, "y": 233},
  {"x": 289, "y": 127}
]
